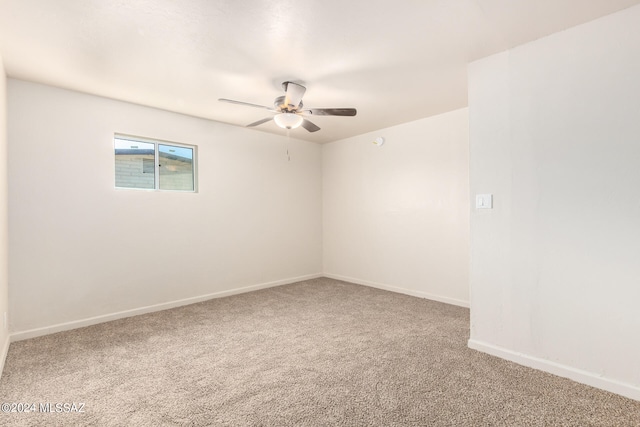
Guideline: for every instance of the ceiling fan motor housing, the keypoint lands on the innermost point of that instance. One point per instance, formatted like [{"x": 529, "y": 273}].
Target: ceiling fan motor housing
[{"x": 280, "y": 105}]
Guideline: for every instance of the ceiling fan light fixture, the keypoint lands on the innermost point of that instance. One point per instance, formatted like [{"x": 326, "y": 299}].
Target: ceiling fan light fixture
[{"x": 288, "y": 120}]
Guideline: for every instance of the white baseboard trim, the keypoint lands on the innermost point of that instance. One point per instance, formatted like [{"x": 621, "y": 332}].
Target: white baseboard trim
[
  {"x": 5, "y": 351},
  {"x": 558, "y": 369},
  {"x": 37, "y": 332},
  {"x": 405, "y": 291}
]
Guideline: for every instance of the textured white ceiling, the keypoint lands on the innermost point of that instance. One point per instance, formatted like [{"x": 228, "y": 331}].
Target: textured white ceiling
[{"x": 395, "y": 61}]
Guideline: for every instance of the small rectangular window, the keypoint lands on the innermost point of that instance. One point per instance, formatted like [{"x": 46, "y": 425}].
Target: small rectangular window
[{"x": 148, "y": 164}]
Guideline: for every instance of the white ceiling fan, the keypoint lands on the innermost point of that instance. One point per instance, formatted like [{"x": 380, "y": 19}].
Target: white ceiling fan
[{"x": 290, "y": 111}]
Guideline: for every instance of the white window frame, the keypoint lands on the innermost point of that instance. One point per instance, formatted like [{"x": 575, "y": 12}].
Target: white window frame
[{"x": 156, "y": 174}]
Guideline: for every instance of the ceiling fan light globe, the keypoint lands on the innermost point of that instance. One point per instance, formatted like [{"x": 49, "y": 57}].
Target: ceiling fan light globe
[{"x": 288, "y": 120}]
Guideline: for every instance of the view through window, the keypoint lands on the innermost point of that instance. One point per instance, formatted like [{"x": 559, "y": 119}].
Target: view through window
[{"x": 148, "y": 164}]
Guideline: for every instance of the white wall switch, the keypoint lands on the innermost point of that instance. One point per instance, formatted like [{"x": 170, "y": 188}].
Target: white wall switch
[{"x": 484, "y": 201}]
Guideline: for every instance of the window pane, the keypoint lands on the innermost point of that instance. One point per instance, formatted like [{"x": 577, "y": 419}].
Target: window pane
[
  {"x": 134, "y": 164},
  {"x": 176, "y": 167}
]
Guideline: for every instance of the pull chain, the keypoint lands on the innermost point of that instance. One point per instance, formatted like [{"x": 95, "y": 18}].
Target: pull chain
[{"x": 288, "y": 143}]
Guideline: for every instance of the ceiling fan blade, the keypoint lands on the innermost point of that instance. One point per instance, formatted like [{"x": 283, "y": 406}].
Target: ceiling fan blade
[
  {"x": 231, "y": 101},
  {"x": 293, "y": 95},
  {"x": 259, "y": 122},
  {"x": 331, "y": 111},
  {"x": 309, "y": 126}
]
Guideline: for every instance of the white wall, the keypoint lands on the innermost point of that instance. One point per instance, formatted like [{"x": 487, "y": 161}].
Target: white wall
[
  {"x": 4, "y": 230},
  {"x": 80, "y": 248},
  {"x": 555, "y": 270},
  {"x": 397, "y": 216}
]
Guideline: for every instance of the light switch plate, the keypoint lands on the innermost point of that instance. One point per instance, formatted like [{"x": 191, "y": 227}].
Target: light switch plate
[{"x": 484, "y": 201}]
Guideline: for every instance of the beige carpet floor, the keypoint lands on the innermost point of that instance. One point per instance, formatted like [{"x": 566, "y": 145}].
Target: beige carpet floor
[{"x": 315, "y": 353}]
